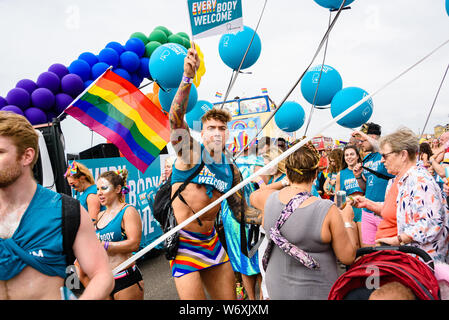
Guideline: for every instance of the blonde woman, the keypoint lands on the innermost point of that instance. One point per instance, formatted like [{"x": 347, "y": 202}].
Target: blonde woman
[{"x": 81, "y": 180}]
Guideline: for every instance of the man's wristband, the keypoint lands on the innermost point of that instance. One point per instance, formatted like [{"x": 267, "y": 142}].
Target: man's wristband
[{"x": 187, "y": 79}]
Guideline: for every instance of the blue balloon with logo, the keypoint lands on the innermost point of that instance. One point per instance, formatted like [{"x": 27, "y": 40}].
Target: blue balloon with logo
[
  {"x": 333, "y": 4},
  {"x": 193, "y": 117},
  {"x": 346, "y": 98},
  {"x": 232, "y": 48},
  {"x": 167, "y": 65},
  {"x": 166, "y": 98},
  {"x": 290, "y": 117},
  {"x": 329, "y": 83}
]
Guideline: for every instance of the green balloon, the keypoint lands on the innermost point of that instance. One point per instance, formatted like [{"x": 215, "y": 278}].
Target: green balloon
[
  {"x": 150, "y": 47},
  {"x": 166, "y": 31},
  {"x": 186, "y": 43},
  {"x": 174, "y": 38},
  {"x": 141, "y": 36},
  {"x": 183, "y": 34},
  {"x": 158, "y": 35}
]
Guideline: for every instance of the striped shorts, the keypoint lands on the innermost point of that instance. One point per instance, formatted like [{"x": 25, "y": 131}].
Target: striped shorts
[{"x": 197, "y": 251}]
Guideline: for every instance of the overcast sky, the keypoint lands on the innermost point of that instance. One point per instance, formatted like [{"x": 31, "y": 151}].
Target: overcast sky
[{"x": 369, "y": 45}]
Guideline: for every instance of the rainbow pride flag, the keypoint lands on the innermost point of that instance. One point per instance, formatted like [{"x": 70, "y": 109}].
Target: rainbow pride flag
[{"x": 121, "y": 113}]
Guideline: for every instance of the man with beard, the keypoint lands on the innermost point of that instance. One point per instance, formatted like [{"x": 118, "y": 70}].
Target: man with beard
[
  {"x": 32, "y": 259},
  {"x": 372, "y": 176}
]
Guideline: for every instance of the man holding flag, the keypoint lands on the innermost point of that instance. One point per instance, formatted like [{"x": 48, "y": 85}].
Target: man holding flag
[{"x": 201, "y": 262}]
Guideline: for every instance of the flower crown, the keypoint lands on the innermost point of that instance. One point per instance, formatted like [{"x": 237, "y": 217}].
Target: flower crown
[{"x": 71, "y": 170}]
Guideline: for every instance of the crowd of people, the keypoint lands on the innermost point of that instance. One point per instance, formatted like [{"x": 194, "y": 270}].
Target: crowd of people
[{"x": 287, "y": 235}]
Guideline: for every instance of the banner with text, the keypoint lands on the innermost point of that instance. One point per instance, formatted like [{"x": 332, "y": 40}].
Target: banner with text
[{"x": 213, "y": 17}]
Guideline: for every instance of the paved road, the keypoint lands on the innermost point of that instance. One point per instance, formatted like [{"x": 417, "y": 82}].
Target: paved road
[{"x": 159, "y": 284}]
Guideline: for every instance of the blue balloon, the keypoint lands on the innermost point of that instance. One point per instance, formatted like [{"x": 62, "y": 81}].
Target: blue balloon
[
  {"x": 333, "y": 4},
  {"x": 193, "y": 117},
  {"x": 447, "y": 7},
  {"x": 330, "y": 83},
  {"x": 81, "y": 68},
  {"x": 18, "y": 97},
  {"x": 87, "y": 83},
  {"x": 167, "y": 65},
  {"x": 290, "y": 117},
  {"x": 109, "y": 56},
  {"x": 116, "y": 46},
  {"x": 232, "y": 48},
  {"x": 89, "y": 57},
  {"x": 98, "y": 69},
  {"x": 3, "y": 102},
  {"x": 122, "y": 73},
  {"x": 129, "y": 61},
  {"x": 144, "y": 68},
  {"x": 136, "y": 80},
  {"x": 346, "y": 98},
  {"x": 136, "y": 45},
  {"x": 166, "y": 98}
]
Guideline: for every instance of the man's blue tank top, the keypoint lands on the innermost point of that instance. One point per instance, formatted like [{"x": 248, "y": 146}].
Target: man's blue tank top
[
  {"x": 375, "y": 186},
  {"x": 217, "y": 176},
  {"x": 348, "y": 182},
  {"x": 113, "y": 231},
  {"x": 38, "y": 239}
]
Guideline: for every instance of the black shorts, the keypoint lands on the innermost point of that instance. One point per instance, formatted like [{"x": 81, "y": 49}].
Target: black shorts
[{"x": 126, "y": 278}]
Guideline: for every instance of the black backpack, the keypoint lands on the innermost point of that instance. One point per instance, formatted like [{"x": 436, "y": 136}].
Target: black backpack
[{"x": 71, "y": 218}]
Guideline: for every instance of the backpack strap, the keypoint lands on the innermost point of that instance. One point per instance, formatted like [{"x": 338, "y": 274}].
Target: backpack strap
[
  {"x": 183, "y": 186},
  {"x": 377, "y": 174},
  {"x": 71, "y": 218}
]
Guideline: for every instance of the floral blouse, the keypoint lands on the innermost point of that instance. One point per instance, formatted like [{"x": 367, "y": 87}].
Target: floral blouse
[{"x": 422, "y": 212}]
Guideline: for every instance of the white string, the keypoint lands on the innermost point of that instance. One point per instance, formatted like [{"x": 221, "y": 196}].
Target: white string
[{"x": 266, "y": 168}]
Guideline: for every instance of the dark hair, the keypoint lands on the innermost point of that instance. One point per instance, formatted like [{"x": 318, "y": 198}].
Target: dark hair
[
  {"x": 344, "y": 165},
  {"x": 373, "y": 128},
  {"x": 116, "y": 178},
  {"x": 425, "y": 148}
]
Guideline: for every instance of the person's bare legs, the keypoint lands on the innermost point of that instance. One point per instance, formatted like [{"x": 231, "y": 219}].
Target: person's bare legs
[
  {"x": 249, "y": 283},
  {"x": 219, "y": 281},
  {"x": 190, "y": 287}
]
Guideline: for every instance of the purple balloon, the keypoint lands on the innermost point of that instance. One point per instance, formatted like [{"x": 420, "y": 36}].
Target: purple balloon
[
  {"x": 43, "y": 98},
  {"x": 35, "y": 115},
  {"x": 18, "y": 97},
  {"x": 3, "y": 102},
  {"x": 59, "y": 69},
  {"x": 12, "y": 108},
  {"x": 72, "y": 84},
  {"x": 27, "y": 84},
  {"x": 50, "y": 81},
  {"x": 63, "y": 100},
  {"x": 51, "y": 115}
]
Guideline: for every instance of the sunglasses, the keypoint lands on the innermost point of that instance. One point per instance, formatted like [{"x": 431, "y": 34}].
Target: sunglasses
[{"x": 385, "y": 155}]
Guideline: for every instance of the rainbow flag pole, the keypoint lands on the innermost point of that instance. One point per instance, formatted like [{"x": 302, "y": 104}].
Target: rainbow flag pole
[{"x": 120, "y": 112}]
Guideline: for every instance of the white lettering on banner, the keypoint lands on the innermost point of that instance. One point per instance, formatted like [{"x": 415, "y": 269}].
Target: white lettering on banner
[
  {"x": 100, "y": 170},
  {"x": 207, "y": 12},
  {"x": 147, "y": 218}
]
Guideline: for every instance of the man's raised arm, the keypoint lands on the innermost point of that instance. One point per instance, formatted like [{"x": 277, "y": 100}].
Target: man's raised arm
[{"x": 179, "y": 130}]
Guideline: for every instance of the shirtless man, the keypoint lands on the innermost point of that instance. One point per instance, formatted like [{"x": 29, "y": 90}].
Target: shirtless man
[
  {"x": 30, "y": 226},
  {"x": 195, "y": 267}
]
